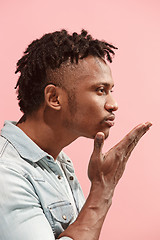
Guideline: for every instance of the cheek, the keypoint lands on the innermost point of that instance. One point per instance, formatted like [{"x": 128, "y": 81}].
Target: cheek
[
  {"x": 95, "y": 105},
  {"x": 91, "y": 110}
]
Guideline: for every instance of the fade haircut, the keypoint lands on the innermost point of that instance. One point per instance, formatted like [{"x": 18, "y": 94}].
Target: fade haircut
[{"x": 49, "y": 52}]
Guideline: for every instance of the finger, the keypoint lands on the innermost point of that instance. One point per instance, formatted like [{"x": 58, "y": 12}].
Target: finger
[
  {"x": 98, "y": 144},
  {"x": 127, "y": 144},
  {"x": 136, "y": 139},
  {"x": 135, "y": 133},
  {"x": 139, "y": 133}
]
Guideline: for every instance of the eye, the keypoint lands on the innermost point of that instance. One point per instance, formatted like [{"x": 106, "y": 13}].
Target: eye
[{"x": 101, "y": 90}]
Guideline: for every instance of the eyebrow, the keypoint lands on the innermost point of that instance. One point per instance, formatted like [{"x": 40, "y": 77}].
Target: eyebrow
[{"x": 103, "y": 83}]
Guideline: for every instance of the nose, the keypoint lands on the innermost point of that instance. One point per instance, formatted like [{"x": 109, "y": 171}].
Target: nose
[{"x": 111, "y": 104}]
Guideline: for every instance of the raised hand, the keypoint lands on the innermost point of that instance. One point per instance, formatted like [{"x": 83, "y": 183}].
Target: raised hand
[{"x": 108, "y": 168}]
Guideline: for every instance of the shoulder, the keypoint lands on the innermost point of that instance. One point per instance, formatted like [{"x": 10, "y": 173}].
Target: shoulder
[{"x": 11, "y": 159}]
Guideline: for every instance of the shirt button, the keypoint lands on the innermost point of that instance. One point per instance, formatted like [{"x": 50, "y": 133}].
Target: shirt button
[
  {"x": 49, "y": 157},
  {"x": 59, "y": 177},
  {"x": 64, "y": 217},
  {"x": 71, "y": 177}
]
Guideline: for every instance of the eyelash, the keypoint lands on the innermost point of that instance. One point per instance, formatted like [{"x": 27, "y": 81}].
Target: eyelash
[{"x": 102, "y": 90}]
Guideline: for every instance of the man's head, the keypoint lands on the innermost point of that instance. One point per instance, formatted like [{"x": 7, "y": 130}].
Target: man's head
[
  {"x": 52, "y": 59},
  {"x": 93, "y": 106}
]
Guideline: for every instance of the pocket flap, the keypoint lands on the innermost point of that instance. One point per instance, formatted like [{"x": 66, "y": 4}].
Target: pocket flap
[{"x": 61, "y": 211}]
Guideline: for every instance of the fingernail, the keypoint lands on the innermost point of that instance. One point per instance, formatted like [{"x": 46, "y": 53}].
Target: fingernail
[
  {"x": 99, "y": 137},
  {"x": 149, "y": 124}
]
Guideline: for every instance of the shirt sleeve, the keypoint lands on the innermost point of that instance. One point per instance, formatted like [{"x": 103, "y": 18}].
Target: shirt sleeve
[{"x": 21, "y": 215}]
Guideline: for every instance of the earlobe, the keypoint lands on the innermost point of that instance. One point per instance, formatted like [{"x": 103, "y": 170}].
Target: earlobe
[{"x": 51, "y": 95}]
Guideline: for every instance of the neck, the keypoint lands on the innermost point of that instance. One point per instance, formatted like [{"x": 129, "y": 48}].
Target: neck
[{"x": 51, "y": 138}]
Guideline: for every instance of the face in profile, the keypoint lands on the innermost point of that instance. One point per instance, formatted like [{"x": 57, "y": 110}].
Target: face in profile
[{"x": 92, "y": 105}]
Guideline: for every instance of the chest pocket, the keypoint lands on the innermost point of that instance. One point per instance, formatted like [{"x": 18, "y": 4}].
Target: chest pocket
[{"x": 60, "y": 216}]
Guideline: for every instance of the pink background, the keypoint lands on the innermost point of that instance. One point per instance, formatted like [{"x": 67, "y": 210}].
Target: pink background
[{"x": 134, "y": 27}]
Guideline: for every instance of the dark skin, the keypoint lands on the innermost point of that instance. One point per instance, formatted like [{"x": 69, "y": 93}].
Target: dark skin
[
  {"x": 92, "y": 118},
  {"x": 104, "y": 172},
  {"x": 92, "y": 84}
]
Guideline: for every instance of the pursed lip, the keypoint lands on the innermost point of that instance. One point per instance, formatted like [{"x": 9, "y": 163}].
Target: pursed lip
[{"x": 110, "y": 120}]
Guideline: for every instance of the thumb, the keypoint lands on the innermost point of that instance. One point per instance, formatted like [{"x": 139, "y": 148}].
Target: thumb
[{"x": 98, "y": 143}]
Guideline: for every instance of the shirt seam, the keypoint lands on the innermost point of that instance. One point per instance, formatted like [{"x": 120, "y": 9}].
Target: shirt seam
[{"x": 3, "y": 148}]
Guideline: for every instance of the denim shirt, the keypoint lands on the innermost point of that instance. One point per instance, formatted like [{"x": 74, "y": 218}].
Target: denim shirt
[{"x": 35, "y": 203}]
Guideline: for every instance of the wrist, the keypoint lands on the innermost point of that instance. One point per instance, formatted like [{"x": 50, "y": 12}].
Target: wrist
[{"x": 102, "y": 191}]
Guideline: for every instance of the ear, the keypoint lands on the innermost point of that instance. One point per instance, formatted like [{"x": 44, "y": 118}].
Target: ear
[{"x": 52, "y": 96}]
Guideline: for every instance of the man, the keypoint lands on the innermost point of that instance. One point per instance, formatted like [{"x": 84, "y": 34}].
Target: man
[{"x": 64, "y": 91}]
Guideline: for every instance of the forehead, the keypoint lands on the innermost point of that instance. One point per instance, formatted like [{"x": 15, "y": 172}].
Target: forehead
[
  {"x": 88, "y": 71},
  {"x": 92, "y": 71}
]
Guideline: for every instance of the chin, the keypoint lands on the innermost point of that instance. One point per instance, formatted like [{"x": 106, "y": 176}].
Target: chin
[{"x": 106, "y": 134}]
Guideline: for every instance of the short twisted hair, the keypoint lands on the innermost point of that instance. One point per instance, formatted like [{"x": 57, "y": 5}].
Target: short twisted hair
[{"x": 51, "y": 51}]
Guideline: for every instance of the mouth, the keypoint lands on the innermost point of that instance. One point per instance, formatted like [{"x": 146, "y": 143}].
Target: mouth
[{"x": 109, "y": 120}]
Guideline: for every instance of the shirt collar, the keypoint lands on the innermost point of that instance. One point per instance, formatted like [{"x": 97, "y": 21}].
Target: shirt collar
[
  {"x": 22, "y": 143},
  {"x": 26, "y": 147}
]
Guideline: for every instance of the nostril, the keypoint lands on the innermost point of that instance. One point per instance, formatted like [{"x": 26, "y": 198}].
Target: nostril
[{"x": 111, "y": 107}]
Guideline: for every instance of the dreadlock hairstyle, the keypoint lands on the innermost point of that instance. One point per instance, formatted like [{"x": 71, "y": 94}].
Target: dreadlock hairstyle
[{"x": 51, "y": 51}]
